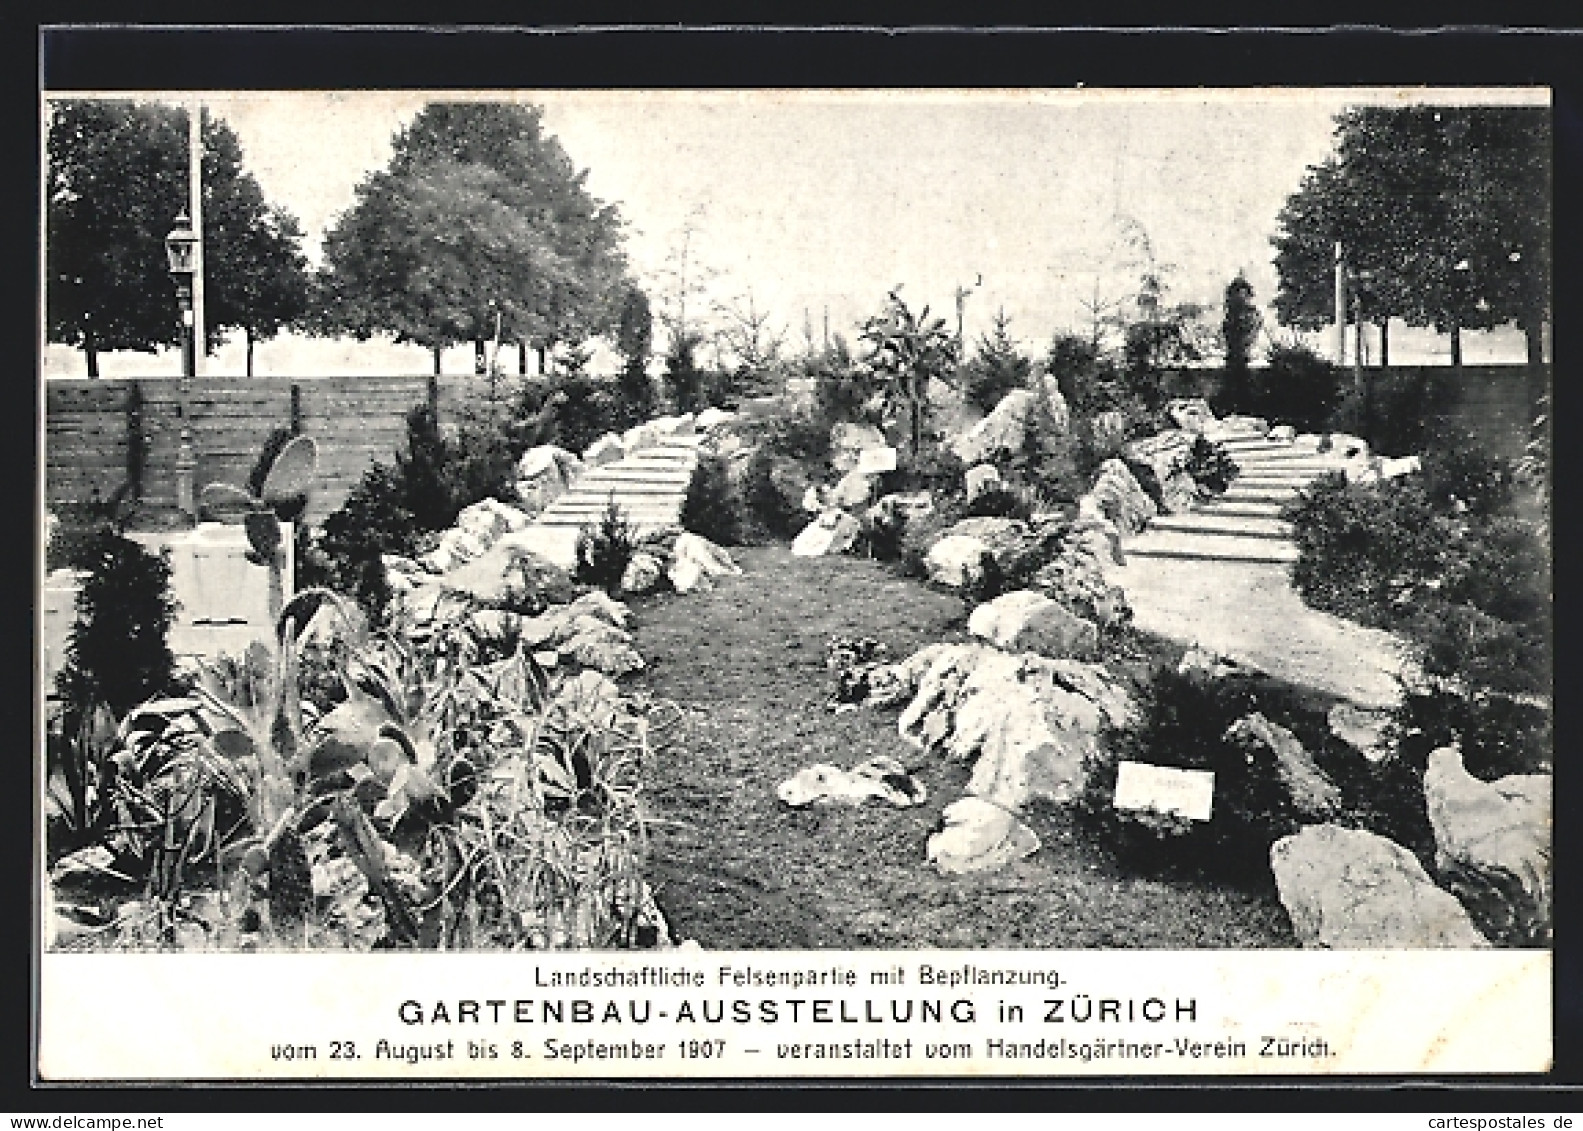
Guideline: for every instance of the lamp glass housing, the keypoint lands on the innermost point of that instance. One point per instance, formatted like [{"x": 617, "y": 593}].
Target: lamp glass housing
[{"x": 181, "y": 247}]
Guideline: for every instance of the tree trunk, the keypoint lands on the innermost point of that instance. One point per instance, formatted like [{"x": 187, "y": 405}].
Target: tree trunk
[
  {"x": 247, "y": 336},
  {"x": 90, "y": 351},
  {"x": 480, "y": 357},
  {"x": 522, "y": 359},
  {"x": 1456, "y": 346},
  {"x": 543, "y": 355},
  {"x": 436, "y": 351},
  {"x": 1385, "y": 343}
]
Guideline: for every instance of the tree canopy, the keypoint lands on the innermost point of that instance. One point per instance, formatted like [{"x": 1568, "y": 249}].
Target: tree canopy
[
  {"x": 1443, "y": 213},
  {"x": 117, "y": 179},
  {"x": 479, "y": 215}
]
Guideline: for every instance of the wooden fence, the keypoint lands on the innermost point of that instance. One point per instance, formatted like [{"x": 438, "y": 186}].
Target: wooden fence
[{"x": 100, "y": 434}]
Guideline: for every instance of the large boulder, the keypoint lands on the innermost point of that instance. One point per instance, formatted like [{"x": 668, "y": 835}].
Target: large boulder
[
  {"x": 849, "y": 441},
  {"x": 1028, "y": 621},
  {"x": 1493, "y": 846},
  {"x": 1076, "y": 577},
  {"x": 1192, "y": 414},
  {"x": 696, "y": 562},
  {"x": 955, "y": 561},
  {"x": 979, "y": 836},
  {"x": 1312, "y": 794},
  {"x": 643, "y": 574},
  {"x": 881, "y": 778},
  {"x": 1056, "y": 411},
  {"x": 1009, "y": 539},
  {"x": 1347, "y": 889},
  {"x": 607, "y": 449},
  {"x": 640, "y": 437},
  {"x": 543, "y": 475},
  {"x": 1029, "y": 723},
  {"x": 1002, "y": 432},
  {"x": 1165, "y": 453},
  {"x": 1366, "y": 730},
  {"x": 1119, "y": 498},
  {"x": 979, "y": 478},
  {"x": 510, "y": 575},
  {"x": 854, "y": 492},
  {"x": 833, "y": 532},
  {"x": 711, "y": 418}
]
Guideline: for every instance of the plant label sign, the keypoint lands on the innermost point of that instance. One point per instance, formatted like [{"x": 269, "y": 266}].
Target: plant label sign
[
  {"x": 873, "y": 461},
  {"x": 1165, "y": 789}
]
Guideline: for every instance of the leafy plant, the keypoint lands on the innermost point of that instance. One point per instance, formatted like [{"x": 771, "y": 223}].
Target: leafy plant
[
  {"x": 604, "y": 549},
  {"x": 908, "y": 351},
  {"x": 1210, "y": 466}
]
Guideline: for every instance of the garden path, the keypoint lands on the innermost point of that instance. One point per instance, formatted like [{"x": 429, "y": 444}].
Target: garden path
[
  {"x": 649, "y": 485},
  {"x": 1218, "y": 577}
]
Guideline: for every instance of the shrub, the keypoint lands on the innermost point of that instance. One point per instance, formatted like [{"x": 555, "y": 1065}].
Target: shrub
[
  {"x": 604, "y": 549},
  {"x": 684, "y": 380},
  {"x": 1462, "y": 476},
  {"x": 798, "y": 435},
  {"x": 711, "y": 508},
  {"x": 884, "y": 533},
  {"x": 117, "y": 653},
  {"x": 1210, "y": 466},
  {"x": 481, "y": 463},
  {"x": 1395, "y": 417},
  {"x": 933, "y": 467},
  {"x": 1473, "y": 592},
  {"x": 1048, "y": 463},
  {"x": 767, "y": 509},
  {"x": 372, "y": 522},
  {"x": 1359, "y": 545},
  {"x": 1183, "y": 720},
  {"x": 1004, "y": 501},
  {"x": 1300, "y": 388},
  {"x": 996, "y": 368}
]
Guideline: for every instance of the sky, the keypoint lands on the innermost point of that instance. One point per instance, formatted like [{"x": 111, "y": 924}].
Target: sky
[{"x": 817, "y": 203}]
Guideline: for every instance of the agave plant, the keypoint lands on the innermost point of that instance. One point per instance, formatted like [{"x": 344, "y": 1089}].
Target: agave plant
[{"x": 284, "y": 490}]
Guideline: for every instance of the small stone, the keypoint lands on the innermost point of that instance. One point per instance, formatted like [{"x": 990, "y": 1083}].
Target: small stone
[
  {"x": 834, "y": 532},
  {"x": 979, "y": 836}
]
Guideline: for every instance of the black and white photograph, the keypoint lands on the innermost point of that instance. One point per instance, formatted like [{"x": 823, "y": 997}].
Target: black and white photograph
[{"x": 823, "y": 532}]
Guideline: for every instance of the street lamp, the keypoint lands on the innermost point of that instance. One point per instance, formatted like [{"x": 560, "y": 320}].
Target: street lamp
[{"x": 181, "y": 250}]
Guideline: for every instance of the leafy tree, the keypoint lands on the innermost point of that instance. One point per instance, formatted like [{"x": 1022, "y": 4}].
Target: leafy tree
[
  {"x": 997, "y": 368},
  {"x": 479, "y": 215},
  {"x": 908, "y": 351},
  {"x": 1160, "y": 336},
  {"x": 688, "y": 383},
  {"x": 1443, "y": 214},
  {"x": 634, "y": 340},
  {"x": 117, "y": 180},
  {"x": 1239, "y": 325}
]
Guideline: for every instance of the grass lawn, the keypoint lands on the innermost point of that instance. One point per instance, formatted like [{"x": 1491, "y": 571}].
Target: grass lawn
[{"x": 734, "y": 868}]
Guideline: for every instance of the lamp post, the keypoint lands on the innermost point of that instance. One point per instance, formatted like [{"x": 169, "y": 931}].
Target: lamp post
[{"x": 181, "y": 250}]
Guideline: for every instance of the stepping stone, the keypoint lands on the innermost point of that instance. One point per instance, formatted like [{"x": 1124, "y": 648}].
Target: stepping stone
[
  {"x": 1226, "y": 525},
  {"x": 1211, "y": 547}
]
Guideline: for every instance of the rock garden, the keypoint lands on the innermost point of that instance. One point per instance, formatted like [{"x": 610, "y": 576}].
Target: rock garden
[{"x": 873, "y": 661}]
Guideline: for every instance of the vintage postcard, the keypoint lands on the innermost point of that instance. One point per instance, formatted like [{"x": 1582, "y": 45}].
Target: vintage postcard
[{"x": 796, "y": 583}]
